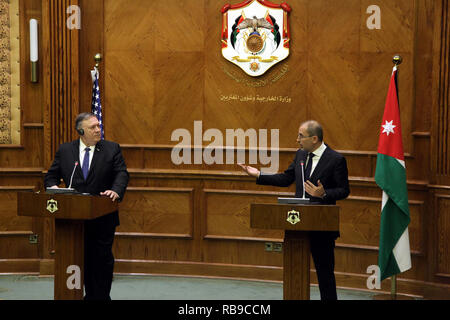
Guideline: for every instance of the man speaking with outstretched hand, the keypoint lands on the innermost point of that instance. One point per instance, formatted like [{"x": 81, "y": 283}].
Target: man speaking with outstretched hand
[{"x": 324, "y": 180}]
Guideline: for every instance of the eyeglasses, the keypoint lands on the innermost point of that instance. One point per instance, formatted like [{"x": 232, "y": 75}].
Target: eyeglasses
[{"x": 300, "y": 136}]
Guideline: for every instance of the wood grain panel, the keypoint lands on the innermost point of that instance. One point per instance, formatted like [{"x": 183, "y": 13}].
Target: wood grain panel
[
  {"x": 227, "y": 214},
  {"x": 157, "y": 211},
  {"x": 332, "y": 92},
  {"x": 9, "y": 220},
  {"x": 31, "y": 93},
  {"x": 360, "y": 222},
  {"x": 443, "y": 236},
  {"x": 19, "y": 266},
  {"x": 178, "y": 93},
  {"x": 396, "y": 33},
  {"x": 185, "y": 268},
  {"x": 129, "y": 90},
  {"x": 441, "y": 85},
  {"x": 137, "y": 34},
  {"x": 163, "y": 69},
  {"x": 60, "y": 81},
  {"x": 160, "y": 248},
  {"x": 180, "y": 27},
  {"x": 333, "y": 26}
]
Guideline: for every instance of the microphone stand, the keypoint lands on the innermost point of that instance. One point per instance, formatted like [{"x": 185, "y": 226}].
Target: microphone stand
[
  {"x": 64, "y": 190},
  {"x": 303, "y": 181}
]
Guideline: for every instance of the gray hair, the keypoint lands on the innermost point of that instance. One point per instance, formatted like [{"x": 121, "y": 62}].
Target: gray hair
[{"x": 81, "y": 117}]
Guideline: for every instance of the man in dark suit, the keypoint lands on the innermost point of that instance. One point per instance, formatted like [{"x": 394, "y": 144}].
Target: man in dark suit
[
  {"x": 326, "y": 177},
  {"x": 102, "y": 172}
]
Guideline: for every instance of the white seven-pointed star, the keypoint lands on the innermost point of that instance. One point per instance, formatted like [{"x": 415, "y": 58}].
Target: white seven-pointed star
[{"x": 388, "y": 127}]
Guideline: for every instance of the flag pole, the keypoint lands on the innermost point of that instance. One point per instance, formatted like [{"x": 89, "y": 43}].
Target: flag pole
[
  {"x": 96, "y": 106},
  {"x": 397, "y": 60}
]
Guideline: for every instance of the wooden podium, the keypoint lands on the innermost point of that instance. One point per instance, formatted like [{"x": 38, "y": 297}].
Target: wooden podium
[
  {"x": 296, "y": 221},
  {"x": 69, "y": 211}
]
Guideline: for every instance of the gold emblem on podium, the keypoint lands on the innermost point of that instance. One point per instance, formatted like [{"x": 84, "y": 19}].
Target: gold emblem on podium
[
  {"x": 52, "y": 205},
  {"x": 293, "y": 217}
]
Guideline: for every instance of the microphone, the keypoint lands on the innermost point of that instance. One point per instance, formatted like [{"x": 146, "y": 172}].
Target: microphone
[
  {"x": 73, "y": 171},
  {"x": 301, "y": 200},
  {"x": 302, "y": 163},
  {"x": 65, "y": 190}
]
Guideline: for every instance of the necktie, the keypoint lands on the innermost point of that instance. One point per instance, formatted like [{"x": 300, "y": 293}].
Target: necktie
[
  {"x": 308, "y": 166},
  {"x": 85, "y": 166}
]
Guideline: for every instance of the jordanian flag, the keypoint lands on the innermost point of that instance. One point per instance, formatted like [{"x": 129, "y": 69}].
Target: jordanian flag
[{"x": 394, "y": 254}]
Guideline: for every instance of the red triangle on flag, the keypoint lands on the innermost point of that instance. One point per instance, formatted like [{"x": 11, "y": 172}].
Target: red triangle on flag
[{"x": 390, "y": 142}]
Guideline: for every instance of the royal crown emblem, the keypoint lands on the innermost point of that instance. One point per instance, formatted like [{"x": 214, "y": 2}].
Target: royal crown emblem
[
  {"x": 293, "y": 217},
  {"x": 52, "y": 205},
  {"x": 255, "y": 35}
]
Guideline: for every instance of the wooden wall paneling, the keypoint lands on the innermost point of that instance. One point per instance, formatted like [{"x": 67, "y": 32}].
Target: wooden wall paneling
[
  {"x": 61, "y": 79},
  {"x": 15, "y": 230},
  {"x": 227, "y": 214},
  {"x": 91, "y": 42},
  {"x": 199, "y": 269},
  {"x": 441, "y": 84},
  {"x": 158, "y": 212},
  {"x": 129, "y": 62},
  {"x": 158, "y": 75},
  {"x": 423, "y": 84},
  {"x": 396, "y": 36},
  {"x": 21, "y": 166},
  {"x": 29, "y": 155},
  {"x": 442, "y": 236},
  {"x": 439, "y": 176},
  {"x": 360, "y": 223},
  {"x": 31, "y": 94}
]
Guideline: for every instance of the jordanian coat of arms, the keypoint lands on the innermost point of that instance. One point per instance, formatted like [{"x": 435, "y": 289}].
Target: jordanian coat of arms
[{"x": 255, "y": 35}]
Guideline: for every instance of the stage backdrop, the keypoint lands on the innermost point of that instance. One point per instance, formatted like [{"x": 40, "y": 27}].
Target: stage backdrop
[{"x": 162, "y": 71}]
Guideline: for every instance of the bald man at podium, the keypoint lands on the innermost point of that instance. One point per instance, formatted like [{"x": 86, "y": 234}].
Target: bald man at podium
[{"x": 320, "y": 174}]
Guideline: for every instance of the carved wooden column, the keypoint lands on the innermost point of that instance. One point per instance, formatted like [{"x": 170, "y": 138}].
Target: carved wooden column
[
  {"x": 441, "y": 84},
  {"x": 439, "y": 272},
  {"x": 61, "y": 75}
]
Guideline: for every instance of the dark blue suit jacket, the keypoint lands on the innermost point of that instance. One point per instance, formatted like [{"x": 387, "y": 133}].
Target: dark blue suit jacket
[
  {"x": 331, "y": 170},
  {"x": 108, "y": 171}
]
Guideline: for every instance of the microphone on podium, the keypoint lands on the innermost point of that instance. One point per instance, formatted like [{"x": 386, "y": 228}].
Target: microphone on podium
[
  {"x": 65, "y": 190},
  {"x": 301, "y": 200},
  {"x": 302, "y": 163},
  {"x": 71, "y": 177}
]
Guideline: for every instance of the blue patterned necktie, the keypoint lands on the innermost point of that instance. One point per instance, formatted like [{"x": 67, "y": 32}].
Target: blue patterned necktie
[{"x": 85, "y": 166}]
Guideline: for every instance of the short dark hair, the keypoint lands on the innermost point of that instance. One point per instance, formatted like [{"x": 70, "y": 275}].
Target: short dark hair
[
  {"x": 81, "y": 117},
  {"x": 314, "y": 129}
]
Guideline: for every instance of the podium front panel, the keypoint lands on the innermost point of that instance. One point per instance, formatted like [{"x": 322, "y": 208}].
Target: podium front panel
[{"x": 294, "y": 217}]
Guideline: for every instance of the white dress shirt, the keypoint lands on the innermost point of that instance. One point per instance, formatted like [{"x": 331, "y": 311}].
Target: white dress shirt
[
  {"x": 82, "y": 152},
  {"x": 315, "y": 160}
]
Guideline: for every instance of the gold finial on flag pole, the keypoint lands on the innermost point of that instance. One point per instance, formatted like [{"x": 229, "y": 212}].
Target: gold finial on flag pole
[
  {"x": 397, "y": 59},
  {"x": 98, "y": 59}
]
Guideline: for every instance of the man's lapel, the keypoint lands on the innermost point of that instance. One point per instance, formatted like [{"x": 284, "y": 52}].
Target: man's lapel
[
  {"x": 76, "y": 156},
  {"x": 321, "y": 164},
  {"x": 98, "y": 154}
]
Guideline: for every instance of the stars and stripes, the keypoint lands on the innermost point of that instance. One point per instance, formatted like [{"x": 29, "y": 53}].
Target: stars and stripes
[{"x": 96, "y": 104}]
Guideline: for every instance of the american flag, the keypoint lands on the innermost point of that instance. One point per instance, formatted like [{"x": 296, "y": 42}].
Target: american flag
[{"x": 96, "y": 104}]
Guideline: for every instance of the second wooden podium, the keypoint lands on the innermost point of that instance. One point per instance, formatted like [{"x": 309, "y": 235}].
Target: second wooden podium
[
  {"x": 296, "y": 221},
  {"x": 69, "y": 211}
]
